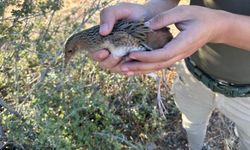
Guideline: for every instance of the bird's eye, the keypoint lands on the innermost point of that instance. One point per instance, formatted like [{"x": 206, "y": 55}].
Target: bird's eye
[{"x": 70, "y": 51}]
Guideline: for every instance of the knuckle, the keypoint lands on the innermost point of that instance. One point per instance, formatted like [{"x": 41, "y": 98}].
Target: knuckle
[
  {"x": 123, "y": 7},
  {"x": 158, "y": 66},
  {"x": 181, "y": 9},
  {"x": 116, "y": 7},
  {"x": 160, "y": 19},
  {"x": 104, "y": 11},
  {"x": 123, "y": 4}
]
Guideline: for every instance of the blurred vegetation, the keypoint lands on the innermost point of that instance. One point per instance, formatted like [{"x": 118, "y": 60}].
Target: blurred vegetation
[{"x": 45, "y": 106}]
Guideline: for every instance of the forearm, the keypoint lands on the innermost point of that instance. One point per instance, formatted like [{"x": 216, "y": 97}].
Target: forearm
[
  {"x": 157, "y": 6},
  {"x": 236, "y": 31}
]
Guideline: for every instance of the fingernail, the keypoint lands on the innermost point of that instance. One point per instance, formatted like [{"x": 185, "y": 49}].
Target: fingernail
[
  {"x": 101, "y": 56},
  {"x": 147, "y": 24},
  {"x": 124, "y": 68},
  {"x": 132, "y": 57},
  {"x": 103, "y": 28}
]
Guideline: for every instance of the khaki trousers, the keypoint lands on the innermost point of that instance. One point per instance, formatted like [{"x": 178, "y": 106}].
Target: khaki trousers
[{"x": 196, "y": 102}]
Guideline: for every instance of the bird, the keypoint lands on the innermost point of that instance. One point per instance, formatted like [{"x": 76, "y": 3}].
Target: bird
[{"x": 125, "y": 37}]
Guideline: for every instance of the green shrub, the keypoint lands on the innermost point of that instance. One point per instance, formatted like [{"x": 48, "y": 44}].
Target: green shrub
[{"x": 78, "y": 107}]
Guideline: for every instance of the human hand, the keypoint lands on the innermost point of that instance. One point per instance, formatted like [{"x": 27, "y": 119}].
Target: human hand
[
  {"x": 197, "y": 25},
  {"x": 108, "y": 18}
]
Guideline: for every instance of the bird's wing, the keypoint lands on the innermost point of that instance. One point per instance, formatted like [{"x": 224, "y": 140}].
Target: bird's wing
[{"x": 136, "y": 29}]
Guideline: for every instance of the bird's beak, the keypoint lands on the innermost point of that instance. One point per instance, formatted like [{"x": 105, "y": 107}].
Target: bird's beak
[{"x": 65, "y": 59}]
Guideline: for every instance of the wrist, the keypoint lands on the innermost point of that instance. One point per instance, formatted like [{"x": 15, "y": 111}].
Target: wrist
[
  {"x": 236, "y": 31},
  {"x": 224, "y": 26},
  {"x": 233, "y": 30}
]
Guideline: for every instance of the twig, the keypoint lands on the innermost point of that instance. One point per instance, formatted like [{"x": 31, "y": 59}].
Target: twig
[
  {"x": 2, "y": 41},
  {"x": 2, "y": 134},
  {"x": 11, "y": 18},
  {"x": 3, "y": 137},
  {"x": 9, "y": 108},
  {"x": 40, "y": 80},
  {"x": 48, "y": 26},
  {"x": 107, "y": 135}
]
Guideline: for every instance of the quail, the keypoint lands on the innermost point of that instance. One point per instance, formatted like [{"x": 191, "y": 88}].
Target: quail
[{"x": 126, "y": 36}]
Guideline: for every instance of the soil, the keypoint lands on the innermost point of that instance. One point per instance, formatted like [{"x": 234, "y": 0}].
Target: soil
[{"x": 220, "y": 135}]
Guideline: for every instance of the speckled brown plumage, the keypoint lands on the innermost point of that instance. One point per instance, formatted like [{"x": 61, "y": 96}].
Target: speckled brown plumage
[{"x": 125, "y": 37}]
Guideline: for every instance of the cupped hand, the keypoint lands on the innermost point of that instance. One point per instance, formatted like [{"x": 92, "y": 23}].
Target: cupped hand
[
  {"x": 197, "y": 25},
  {"x": 108, "y": 18}
]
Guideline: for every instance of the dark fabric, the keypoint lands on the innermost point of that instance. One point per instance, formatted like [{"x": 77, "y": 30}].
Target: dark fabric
[
  {"x": 227, "y": 89},
  {"x": 221, "y": 61}
]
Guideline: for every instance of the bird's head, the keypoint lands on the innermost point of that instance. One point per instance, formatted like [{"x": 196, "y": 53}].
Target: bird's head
[
  {"x": 70, "y": 50},
  {"x": 73, "y": 45}
]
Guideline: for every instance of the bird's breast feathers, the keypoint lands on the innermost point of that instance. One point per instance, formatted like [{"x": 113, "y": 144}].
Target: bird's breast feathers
[{"x": 121, "y": 50}]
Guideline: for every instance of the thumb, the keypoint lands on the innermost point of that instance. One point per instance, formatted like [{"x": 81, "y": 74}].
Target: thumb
[
  {"x": 172, "y": 16},
  {"x": 99, "y": 55},
  {"x": 112, "y": 14}
]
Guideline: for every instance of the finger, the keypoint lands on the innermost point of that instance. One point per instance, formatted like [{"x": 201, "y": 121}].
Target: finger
[
  {"x": 117, "y": 68},
  {"x": 110, "y": 62},
  {"x": 147, "y": 67},
  {"x": 166, "y": 18},
  {"x": 111, "y": 14},
  {"x": 140, "y": 66},
  {"x": 180, "y": 46},
  {"x": 99, "y": 55}
]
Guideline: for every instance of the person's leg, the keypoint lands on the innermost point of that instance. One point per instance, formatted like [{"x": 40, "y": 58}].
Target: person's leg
[
  {"x": 237, "y": 110},
  {"x": 196, "y": 102}
]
